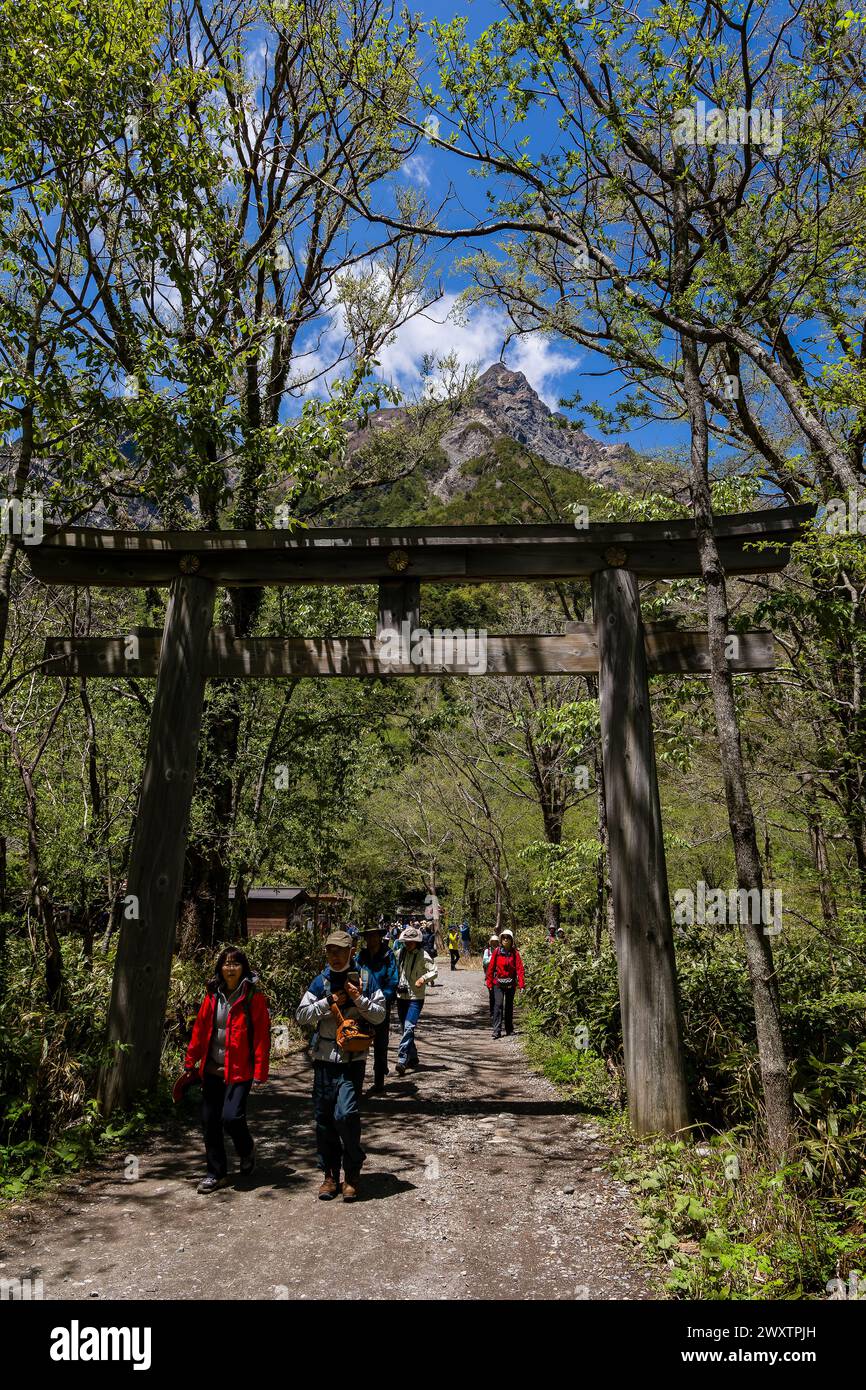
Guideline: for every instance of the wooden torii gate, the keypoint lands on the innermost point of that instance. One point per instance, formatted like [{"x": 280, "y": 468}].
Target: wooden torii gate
[{"x": 618, "y": 646}]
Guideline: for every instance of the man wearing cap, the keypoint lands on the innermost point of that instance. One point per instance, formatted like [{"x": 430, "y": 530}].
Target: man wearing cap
[
  {"x": 381, "y": 962},
  {"x": 417, "y": 971},
  {"x": 339, "y": 1077}
]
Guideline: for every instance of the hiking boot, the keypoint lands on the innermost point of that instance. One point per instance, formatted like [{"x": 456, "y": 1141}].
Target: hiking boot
[
  {"x": 211, "y": 1183},
  {"x": 248, "y": 1164},
  {"x": 328, "y": 1190},
  {"x": 350, "y": 1188},
  {"x": 400, "y": 1069},
  {"x": 377, "y": 1089}
]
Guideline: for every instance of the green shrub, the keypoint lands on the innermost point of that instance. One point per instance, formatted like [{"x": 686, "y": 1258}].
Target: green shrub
[{"x": 759, "y": 1233}]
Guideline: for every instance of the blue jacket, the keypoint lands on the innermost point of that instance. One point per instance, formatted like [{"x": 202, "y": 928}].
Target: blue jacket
[
  {"x": 315, "y": 1011},
  {"x": 383, "y": 968}
]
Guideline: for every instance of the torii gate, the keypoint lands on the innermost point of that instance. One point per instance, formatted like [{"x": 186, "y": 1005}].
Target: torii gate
[{"x": 617, "y": 646}]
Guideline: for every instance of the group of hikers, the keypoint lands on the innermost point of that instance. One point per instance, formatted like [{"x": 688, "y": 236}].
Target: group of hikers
[{"x": 349, "y": 1006}]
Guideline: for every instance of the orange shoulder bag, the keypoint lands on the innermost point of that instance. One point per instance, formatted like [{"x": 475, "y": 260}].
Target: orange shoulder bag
[{"x": 353, "y": 1035}]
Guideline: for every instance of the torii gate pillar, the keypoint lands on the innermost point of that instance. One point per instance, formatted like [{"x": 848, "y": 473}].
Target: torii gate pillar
[
  {"x": 146, "y": 940},
  {"x": 649, "y": 1003}
]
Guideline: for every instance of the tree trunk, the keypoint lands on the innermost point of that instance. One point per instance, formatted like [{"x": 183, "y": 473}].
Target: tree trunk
[
  {"x": 778, "y": 1097},
  {"x": 821, "y": 860},
  {"x": 20, "y": 480}
]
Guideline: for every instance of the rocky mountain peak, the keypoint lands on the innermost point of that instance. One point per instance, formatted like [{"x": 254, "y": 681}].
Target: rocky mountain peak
[{"x": 505, "y": 405}]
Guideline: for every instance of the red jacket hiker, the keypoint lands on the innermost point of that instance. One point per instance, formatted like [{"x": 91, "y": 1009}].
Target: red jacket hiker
[
  {"x": 504, "y": 966},
  {"x": 242, "y": 1062}
]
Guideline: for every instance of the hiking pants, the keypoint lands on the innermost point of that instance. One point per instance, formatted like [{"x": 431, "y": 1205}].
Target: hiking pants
[
  {"x": 224, "y": 1111},
  {"x": 408, "y": 1011},
  {"x": 503, "y": 1010},
  {"x": 455, "y": 956},
  {"x": 337, "y": 1106},
  {"x": 380, "y": 1046}
]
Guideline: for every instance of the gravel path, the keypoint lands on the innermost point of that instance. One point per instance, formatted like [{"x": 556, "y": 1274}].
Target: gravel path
[{"x": 480, "y": 1182}]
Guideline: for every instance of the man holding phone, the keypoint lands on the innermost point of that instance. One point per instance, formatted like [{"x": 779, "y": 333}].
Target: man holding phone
[{"x": 339, "y": 1077}]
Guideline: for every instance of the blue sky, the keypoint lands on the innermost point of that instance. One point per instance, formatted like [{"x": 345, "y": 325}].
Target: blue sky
[{"x": 554, "y": 367}]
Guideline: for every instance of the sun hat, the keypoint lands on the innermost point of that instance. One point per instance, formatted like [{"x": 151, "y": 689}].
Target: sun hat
[
  {"x": 492, "y": 937},
  {"x": 186, "y": 1079},
  {"x": 505, "y": 933},
  {"x": 412, "y": 934}
]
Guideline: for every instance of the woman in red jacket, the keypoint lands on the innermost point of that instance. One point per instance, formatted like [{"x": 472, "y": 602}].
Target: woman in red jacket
[
  {"x": 230, "y": 1048},
  {"x": 504, "y": 975}
]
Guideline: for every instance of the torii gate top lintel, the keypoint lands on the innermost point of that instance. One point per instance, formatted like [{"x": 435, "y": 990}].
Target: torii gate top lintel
[{"x": 456, "y": 554}]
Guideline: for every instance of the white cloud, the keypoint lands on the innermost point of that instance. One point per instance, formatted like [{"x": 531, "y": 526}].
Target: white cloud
[
  {"x": 477, "y": 341},
  {"x": 416, "y": 170},
  {"x": 475, "y": 338}
]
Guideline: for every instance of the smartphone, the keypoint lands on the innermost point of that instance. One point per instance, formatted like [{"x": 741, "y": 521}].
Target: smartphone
[{"x": 354, "y": 978}]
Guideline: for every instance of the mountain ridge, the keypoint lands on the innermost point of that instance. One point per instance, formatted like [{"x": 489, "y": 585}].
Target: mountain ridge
[{"x": 504, "y": 406}]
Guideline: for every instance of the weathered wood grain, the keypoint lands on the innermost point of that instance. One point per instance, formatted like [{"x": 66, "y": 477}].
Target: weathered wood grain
[
  {"x": 143, "y": 964},
  {"x": 572, "y": 653},
  {"x": 354, "y": 555},
  {"x": 652, "y": 1033}
]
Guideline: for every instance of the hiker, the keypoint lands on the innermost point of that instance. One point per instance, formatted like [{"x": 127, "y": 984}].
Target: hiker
[
  {"x": 492, "y": 943},
  {"x": 504, "y": 973},
  {"x": 230, "y": 1048},
  {"x": 428, "y": 939},
  {"x": 466, "y": 937},
  {"x": 333, "y": 999},
  {"x": 454, "y": 947},
  {"x": 380, "y": 960},
  {"x": 417, "y": 970}
]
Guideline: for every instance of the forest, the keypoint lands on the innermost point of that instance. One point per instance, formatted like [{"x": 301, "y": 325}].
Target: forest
[{"x": 215, "y": 225}]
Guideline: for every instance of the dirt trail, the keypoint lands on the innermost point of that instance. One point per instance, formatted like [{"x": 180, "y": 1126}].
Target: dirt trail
[{"x": 480, "y": 1182}]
